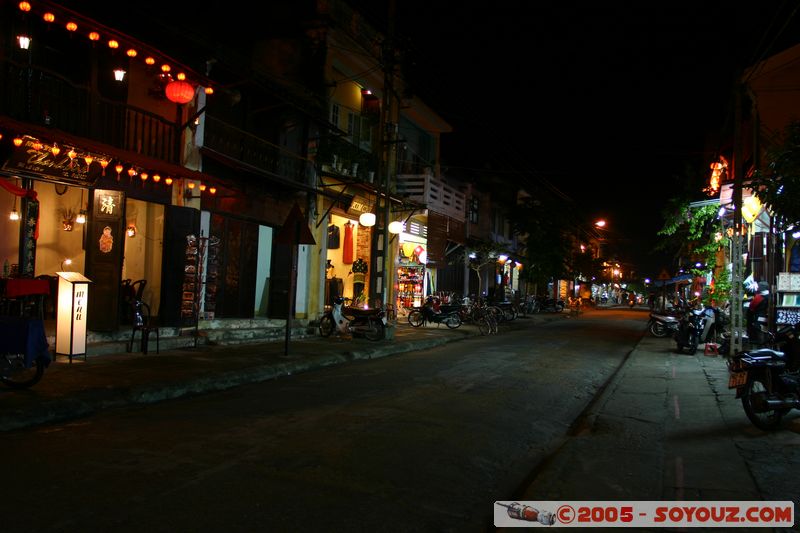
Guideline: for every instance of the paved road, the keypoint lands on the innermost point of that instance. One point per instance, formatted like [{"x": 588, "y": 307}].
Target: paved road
[{"x": 426, "y": 440}]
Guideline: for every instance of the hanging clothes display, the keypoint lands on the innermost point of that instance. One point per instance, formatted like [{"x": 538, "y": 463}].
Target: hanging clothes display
[
  {"x": 347, "y": 252},
  {"x": 333, "y": 237}
]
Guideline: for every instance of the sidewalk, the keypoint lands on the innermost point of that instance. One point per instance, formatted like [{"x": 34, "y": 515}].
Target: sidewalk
[
  {"x": 664, "y": 428},
  {"x": 77, "y": 389}
]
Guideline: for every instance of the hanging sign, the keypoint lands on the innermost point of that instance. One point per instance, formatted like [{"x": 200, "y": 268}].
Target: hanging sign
[{"x": 37, "y": 159}]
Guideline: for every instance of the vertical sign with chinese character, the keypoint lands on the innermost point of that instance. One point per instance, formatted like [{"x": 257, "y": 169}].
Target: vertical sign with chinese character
[{"x": 104, "y": 254}]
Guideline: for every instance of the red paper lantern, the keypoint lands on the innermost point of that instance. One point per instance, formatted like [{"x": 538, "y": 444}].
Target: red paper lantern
[{"x": 180, "y": 92}]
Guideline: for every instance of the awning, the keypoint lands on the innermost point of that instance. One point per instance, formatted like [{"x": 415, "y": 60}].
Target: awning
[
  {"x": 51, "y": 135},
  {"x": 673, "y": 281}
]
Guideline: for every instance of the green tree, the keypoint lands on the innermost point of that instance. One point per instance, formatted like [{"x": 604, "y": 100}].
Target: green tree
[
  {"x": 482, "y": 254},
  {"x": 702, "y": 235}
]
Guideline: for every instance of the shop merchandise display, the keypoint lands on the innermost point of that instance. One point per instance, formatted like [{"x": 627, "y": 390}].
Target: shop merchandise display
[{"x": 347, "y": 251}]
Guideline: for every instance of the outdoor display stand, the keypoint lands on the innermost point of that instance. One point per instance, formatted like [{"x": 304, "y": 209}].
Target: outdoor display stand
[
  {"x": 788, "y": 303},
  {"x": 73, "y": 298}
]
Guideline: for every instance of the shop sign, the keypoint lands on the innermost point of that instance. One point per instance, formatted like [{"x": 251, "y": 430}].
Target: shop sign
[
  {"x": 40, "y": 162},
  {"x": 359, "y": 205},
  {"x": 416, "y": 229}
]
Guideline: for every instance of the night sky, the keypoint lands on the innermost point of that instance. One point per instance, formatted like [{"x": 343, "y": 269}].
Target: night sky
[
  {"x": 616, "y": 105},
  {"x": 612, "y": 103}
]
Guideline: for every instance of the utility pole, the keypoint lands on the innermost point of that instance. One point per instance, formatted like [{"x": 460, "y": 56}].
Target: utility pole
[
  {"x": 380, "y": 262},
  {"x": 737, "y": 293}
]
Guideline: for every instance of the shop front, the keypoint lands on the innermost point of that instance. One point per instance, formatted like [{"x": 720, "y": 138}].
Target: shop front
[
  {"x": 347, "y": 259},
  {"x": 82, "y": 211},
  {"x": 413, "y": 281}
]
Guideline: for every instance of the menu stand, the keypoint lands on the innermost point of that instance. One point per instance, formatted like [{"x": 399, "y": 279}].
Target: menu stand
[{"x": 73, "y": 299}]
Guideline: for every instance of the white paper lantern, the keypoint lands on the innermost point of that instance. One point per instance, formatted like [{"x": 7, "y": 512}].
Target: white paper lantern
[{"x": 367, "y": 219}]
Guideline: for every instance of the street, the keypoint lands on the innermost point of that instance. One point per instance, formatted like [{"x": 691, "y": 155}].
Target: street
[{"x": 422, "y": 441}]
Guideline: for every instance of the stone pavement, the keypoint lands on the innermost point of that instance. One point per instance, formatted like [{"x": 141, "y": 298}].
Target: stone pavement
[{"x": 80, "y": 388}]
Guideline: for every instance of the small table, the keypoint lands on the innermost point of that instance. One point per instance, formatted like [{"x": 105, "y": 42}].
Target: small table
[
  {"x": 23, "y": 289},
  {"x": 24, "y": 335}
]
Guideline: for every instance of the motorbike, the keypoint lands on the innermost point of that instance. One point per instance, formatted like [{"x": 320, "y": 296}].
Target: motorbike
[
  {"x": 435, "y": 313},
  {"x": 552, "y": 305},
  {"x": 356, "y": 321},
  {"x": 661, "y": 325},
  {"x": 690, "y": 332},
  {"x": 767, "y": 380}
]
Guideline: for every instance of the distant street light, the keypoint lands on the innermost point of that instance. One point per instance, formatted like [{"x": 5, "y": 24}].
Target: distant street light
[{"x": 600, "y": 223}]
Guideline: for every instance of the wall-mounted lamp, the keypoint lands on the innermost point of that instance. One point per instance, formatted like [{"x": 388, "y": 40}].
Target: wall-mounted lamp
[
  {"x": 65, "y": 263},
  {"x": 14, "y": 215},
  {"x": 119, "y": 74},
  {"x": 131, "y": 231},
  {"x": 24, "y": 41}
]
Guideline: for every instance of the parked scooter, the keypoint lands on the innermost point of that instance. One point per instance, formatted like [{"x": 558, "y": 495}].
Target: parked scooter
[
  {"x": 434, "y": 312},
  {"x": 661, "y": 325},
  {"x": 369, "y": 323},
  {"x": 690, "y": 333},
  {"x": 768, "y": 380},
  {"x": 548, "y": 304}
]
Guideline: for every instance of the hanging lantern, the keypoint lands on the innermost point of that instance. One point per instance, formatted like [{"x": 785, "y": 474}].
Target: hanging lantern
[
  {"x": 168, "y": 181},
  {"x": 17, "y": 141},
  {"x": 180, "y": 92},
  {"x": 118, "y": 168},
  {"x": 367, "y": 219},
  {"x": 71, "y": 26},
  {"x": 55, "y": 149},
  {"x": 49, "y": 17},
  {"x": 104, "y": 164}
]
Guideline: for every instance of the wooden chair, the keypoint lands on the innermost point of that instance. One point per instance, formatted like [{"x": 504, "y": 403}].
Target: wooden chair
[{"x": 145, "y": 325}]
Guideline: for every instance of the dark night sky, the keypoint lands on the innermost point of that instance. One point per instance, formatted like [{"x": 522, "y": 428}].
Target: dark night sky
[{"x": 610, "y": 102}]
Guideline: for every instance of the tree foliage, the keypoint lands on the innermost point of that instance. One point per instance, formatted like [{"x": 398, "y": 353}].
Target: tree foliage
[{"x": 704, "y": 237}]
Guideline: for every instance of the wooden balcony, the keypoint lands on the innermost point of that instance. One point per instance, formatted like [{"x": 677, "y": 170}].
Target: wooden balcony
[
  {"x": 254, "y": 152},
  {"x": 43, "y": 98},
  {"x": 434, "y": 193}
]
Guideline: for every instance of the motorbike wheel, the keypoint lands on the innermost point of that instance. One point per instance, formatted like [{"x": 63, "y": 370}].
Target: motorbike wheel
[
  {"x": 375, "y": 330},
  {"x": 691, "y": 347},
  {"x": 754, "y": 403},
  {"x": 17, "y": 376},
  {"x": 452, "y": 321},
  {"x": 326, "y": 326},
  {"x": 657, "y": 329},
  {"x": 415, "y": 318}
]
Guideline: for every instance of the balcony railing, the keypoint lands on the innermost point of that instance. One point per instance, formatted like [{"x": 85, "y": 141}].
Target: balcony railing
[
  {"x": 253, "y": 151},
  {"x": 35, "y": 95},
  {"x": 434, "y": 193},
  {"x": 338, "y": 155}
]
